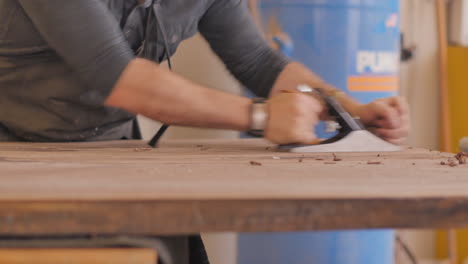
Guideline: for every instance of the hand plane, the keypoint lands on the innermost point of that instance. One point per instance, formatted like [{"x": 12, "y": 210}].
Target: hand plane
[{"x": 352, "y": 135}]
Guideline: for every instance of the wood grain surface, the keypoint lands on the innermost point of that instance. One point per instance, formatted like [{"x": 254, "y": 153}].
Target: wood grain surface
[
  {"x": 241, "y": 185},
  {"x": 78, "y": 256}
]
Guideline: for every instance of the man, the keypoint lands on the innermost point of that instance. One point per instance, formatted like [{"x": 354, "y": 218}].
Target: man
[{"x": 81, "y": 70}]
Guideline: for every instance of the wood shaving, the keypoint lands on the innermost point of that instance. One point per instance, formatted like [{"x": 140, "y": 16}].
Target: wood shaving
[
  {"x": 142, "y": 149},
  {"x": 255, "y": 163},
  {"x": 202, "y": 147},
  {"x": 462, "y": 157},
  {"x": 336, "y": 158},
  {"x": 452, "y": 162},
  {"x": 459, "y": 159}
]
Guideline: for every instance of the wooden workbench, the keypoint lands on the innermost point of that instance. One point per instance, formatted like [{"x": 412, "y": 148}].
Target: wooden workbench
[{"x": 209, "y": 186}]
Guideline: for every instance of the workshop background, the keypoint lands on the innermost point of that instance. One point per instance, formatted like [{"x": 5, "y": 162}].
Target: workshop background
[{"x": 422, "y": 76}]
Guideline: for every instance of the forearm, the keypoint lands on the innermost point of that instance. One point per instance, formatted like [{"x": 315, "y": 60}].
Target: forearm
[
  {"x": 232, "y": 34},
  {"x": 295, "y": 74},
  {"x": 147, "y": 89}
]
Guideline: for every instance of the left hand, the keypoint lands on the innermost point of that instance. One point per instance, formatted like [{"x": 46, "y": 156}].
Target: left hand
[{"x": 388, "y": 118}]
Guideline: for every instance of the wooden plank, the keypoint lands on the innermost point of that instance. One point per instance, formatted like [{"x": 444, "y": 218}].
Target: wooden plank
[
  {"x": 191, "y": 217},
  {"x": 78, "y": 256},
  {"x": 209, "y": 186},
  {"x": 218, "y": 170}
]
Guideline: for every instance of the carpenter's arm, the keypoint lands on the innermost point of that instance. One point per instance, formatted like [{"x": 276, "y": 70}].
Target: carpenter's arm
[
  {"x": 148, "y": 89},
  {"x": 232, "y": 34},
  {"x": 87, "y": 36}
]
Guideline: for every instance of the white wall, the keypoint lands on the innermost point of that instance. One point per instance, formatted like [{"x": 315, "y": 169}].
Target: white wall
[
  {"x": 420, "y": 87},
  {"x": 419, "y": 76}
]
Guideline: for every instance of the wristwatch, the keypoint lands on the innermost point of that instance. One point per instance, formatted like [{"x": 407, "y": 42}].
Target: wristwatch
[{"x": 258, "y": 117}]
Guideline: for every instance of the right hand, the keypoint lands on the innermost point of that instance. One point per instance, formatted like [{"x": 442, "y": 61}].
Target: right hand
[{"x": 292, "y": 118}]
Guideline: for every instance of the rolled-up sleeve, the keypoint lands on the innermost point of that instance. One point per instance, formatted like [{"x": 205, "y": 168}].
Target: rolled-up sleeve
[
  {"x": 232, "y": 34},
  {"x": 86, "y": 35}
]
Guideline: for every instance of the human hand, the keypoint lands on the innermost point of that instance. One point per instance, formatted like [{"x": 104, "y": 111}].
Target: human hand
[
  {"x": 388, "y": 118},
  {"x": 292, "y": 118}
]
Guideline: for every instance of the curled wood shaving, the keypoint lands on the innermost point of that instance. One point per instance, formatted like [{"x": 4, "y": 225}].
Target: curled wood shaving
[
  {"x": 452, "y": 162},
  {"x": 142, "y": 149},
  {"x": 255, "y": 163},
  {"x": 459, "y": 159},
  {"x": 462, "y": 157},
  {"x": 335, "y": 158}
]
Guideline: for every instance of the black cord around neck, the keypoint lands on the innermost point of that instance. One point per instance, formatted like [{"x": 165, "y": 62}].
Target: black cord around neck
[{"x": 155, "y": 139}]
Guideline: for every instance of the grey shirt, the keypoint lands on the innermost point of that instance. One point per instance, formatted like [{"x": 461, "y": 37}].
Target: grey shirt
[{"x": 59, "y": 60}]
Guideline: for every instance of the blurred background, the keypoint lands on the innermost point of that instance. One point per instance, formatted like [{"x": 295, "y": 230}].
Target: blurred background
[{"x": 369, "y": 49}]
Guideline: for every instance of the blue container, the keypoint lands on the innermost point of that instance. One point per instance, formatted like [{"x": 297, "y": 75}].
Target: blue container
[
  {"x": 354, "y": 45},
  {"x": 344, "y": 247}
]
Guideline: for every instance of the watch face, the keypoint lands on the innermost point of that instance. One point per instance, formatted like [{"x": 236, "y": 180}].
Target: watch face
[{"x": 258, "y": 116}]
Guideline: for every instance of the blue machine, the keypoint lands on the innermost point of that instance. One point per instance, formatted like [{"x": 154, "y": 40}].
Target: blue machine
[{"x": 354, "y": 45}]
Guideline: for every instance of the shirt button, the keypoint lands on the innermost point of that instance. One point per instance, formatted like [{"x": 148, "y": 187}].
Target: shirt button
[{"x": 127, "y": 33}]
